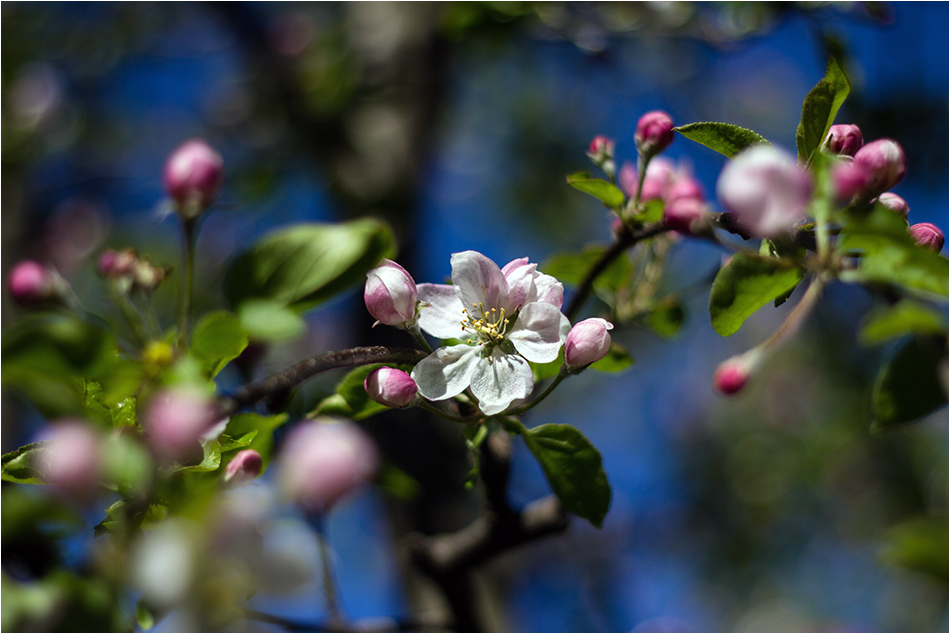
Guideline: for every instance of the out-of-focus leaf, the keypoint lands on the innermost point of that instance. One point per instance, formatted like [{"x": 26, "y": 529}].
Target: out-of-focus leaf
[
  {"x": 617, "y": 359},
  {"x": 210, "y": 460},
  {"x": 904, "y": 318},
  {"x": 819, "y": 109},
  {"x": 263, "y": 427},
  {"x": 603, "y": 191},
  {"x": 351, "y": 399},
  {"x": 666, "y": 317},
  {"x": 397, "y": 482},
  {"x": 745, "y": 285},
  {"x": 574, "y": 470},
  {"x": 270, "y": 321},
  {"x": 306, "y": 264},
  {"x": 19, "y": 465},
  {"x": 724, "y": 138},
  {"x": 920, "y": 545},
  {"x": 909, "y": 384},
  {"x": 652, "y": 211},
  {"x": 217, "y": 340},
  {"x": 144, "y": 616},
  {"x": 570, "y": 269}
]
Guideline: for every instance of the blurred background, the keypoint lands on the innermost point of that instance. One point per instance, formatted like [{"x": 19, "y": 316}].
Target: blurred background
[{"x": 457, "y": 123}]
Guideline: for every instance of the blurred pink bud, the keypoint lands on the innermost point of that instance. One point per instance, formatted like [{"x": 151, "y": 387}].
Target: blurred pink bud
[
  {"x": 175, "y": 422},
  {"x": 765, "y": 189},
  {"x": 732, "y": 374},
  {"x": 927, "y": 235},
  {"x": 654, "y": 132},
  {"x": 848, "y": 180},
  {"x": 116, "y": 264},
  {"x": 844, "y": 139},
  {"x": 391, "y": 387},
  {"x": 587, "y": 342},
  {"x": 32, "y": 283},
  {"x": 194, "y": 173},
  {"x": 390, "y": 294},
  {"x": 324, "y": 461},
  {"x": 601, "y": 149},
  {"x": 895, "y": 203},
  {"x": 686, "y": 216},
  {"x": 883, "y": 162},
  {"x": 660, "y": 176},
  {"x": 684, "y": 187},
  {"x": 71, "y": 461},
  {"x": 244, "y": 467}
]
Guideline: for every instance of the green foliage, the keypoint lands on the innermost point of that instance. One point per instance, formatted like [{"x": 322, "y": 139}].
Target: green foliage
[
  {"x": 306, "y": 264},
  {"x": 19, "y": 465},
  {"x": 746, "y": 284},
  {"x": 920, "y": 545},
  {"x": 666, "y": 317},
  {"x": 652, "y": 211},
  {"x": 397, "y": 482},
  {"x": 904, "y": 318},
  {"x": 888, "y": 255},
  {"x": 574, "y": 470},
  {"x": 258, "y": 431},
  {"x": 616, "y": 360},
  {"x": 572, "y": 268},
  {"x": 725, "y": 138},
  {"x": 909, "y": 384},
  {"x": 271, "y": 321},
  {"x": 350, "y": 398},
  {"x": 542, "y": 371},
  {"x": 217, "y": 340},
  {"x": 819, "y": 110},
  {"x": 600, "y": 189}
]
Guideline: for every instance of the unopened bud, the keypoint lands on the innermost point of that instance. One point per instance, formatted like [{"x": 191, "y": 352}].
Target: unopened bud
[
  {"x": 72, "y": 460},
  {"x": 194, "y": 174},
  {"x": 883, "y": 163},
  {"x": 244, "y": 467},
  {"x": 684, "y": 187},
  {"x": 844, "y": 139},
  {"x": 587, "y": 342},
  {"x": 390, "y": 294},
  {"x": 848, "y": 180},
  {"x": 175, "y": 422},
  {"x": 601, "y": 149},
  {"x": 324, "y": 461},
  {"x": 895, "y": 203},
  {"x": 116, "y": 264},
  {"x": 927, "y": 235},
  {"x": 654, "y": 132},
  {"x": 147, "y": 277},
  {"x": 32, "y": 283},
  {"x": 391, "y": 387},
  {"x": 660, "y": 177},
  {"x": 686, "y": 216},
  {"x": 732, "y": 374}
]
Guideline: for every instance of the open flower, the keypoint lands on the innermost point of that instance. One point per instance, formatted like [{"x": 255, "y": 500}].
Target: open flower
[{"x": 505, "y": 317}]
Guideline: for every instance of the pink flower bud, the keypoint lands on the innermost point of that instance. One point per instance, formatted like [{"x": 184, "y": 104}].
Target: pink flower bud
[
  {"x": 32, "y": 283},
  {"x": 684, "y": 187},
  {"x": 244, "y": 467},
  {"x": 660, "y": 177},
  {"x": 732, "y": 374},
  {"x": 895, "y": 203},
  {"x": 927, "y": 235},
  {"x": 654, "y": 132},
  {"x": 587, "y": 342},
  {"x": 601, "y": 149},
  {"x": 194, "y": 173},
  {"x": 175, "y": 422},
  {"x": 766, "y": 190},
  {"x": 390, "y": 294},
  {"x": 72, "y": 460},
  {"x": 391, "y": 387},
  {"x": 884, "y": 164},
  {"x": 116, "y": 264},
  {"x": 685, "y": 215},
  {"x": 322, "y": 461},
  {"x": 844, "y": 139},
  {"x": 848, "y": 180}
]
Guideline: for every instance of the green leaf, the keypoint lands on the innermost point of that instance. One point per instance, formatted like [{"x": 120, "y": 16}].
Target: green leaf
[
  {"x": 270, "y": 321},
  {"x": 217, "y": 340},
  {"x": 904, "y": 318},
  {"x": 888, "y": 255},
  {"x": 19, "y": 464},
  {"x": 616, "y": 360},
  {"x": 144, "y": 616},
  {"x": 724, "y": 138},
  {"x": 746, "y": 284},
  {"x": 210, "y": 461},
  {"x": 574, "y": 470},
  {"x": 667, "y": 316},
  {"x": 599, "y": 189},
  {"x": 262, "y": 427},
  {"x": 652, "y": 211},
  {"x": 819, "y": 110},
  {"x": 542, "y": 371},
  {"x": 351, "y": 399},
  {"x": 397, "y": 482},
  {"x": 909, "y": 384},
  {"x": 306, "y": 264},
  {"x": 921, "y": 545},
  {"x": 570, "y": 269}
]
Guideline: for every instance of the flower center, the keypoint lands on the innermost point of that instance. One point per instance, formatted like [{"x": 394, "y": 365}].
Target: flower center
[{"x": 489, "y": 326}]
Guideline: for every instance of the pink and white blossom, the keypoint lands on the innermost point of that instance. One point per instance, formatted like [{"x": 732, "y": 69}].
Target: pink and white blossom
[
  {"x": 391, "y": 387},
  {"x": 765, "y": 189},
  {"x": 390, "y": 294},
  {"x": 505, "y": 317},
  {"x": 587, "y": 342}
]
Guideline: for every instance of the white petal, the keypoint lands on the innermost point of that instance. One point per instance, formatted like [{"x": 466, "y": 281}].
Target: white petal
[
  {"x": 443, "y": 316},
  {"x": 546, "y": 289},
  {"x": 478, "y": 280},
  {"x": 497, "y": 384},
  {"x": 520, "y": 276},
  {"x": 446, "y": 372},
  {"x": 539, "y": 332}
]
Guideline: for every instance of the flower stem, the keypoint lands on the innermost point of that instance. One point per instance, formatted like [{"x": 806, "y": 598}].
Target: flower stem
[
  {"x": 415, "y": 332},
  {"x": 797, "y": 315},
  {"x": 326, "y": 565}
]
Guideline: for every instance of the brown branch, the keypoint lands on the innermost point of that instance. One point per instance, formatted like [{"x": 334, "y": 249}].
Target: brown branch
[{"x": 300, "y": 372}]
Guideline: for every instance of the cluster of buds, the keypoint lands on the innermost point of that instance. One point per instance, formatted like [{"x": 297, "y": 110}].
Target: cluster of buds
[
  {"x": 601, "y": 154},
  {"x": 32, "y": 284},
  {"x": 194, "y": 174},
  {"x": 684, "y": 200},
  {"x": 129, "y": 272}
]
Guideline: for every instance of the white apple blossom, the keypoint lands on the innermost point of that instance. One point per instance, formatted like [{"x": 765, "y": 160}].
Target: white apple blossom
[{"x": 504, "y": 317}]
